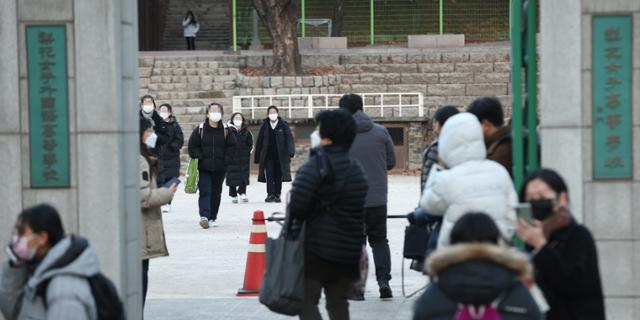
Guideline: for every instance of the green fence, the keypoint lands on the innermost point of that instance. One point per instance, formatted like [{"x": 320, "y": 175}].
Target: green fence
[{"x": 390, "y": 21}]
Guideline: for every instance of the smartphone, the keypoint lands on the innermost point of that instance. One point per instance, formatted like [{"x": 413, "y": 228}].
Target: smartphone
[
  {"x": 523, "y": 211},
  {"x": 170, "y": 182},
  {"x": 12, "y": 256}
]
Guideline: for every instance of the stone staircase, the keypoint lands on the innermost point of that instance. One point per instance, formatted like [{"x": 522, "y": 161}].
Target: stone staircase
[{"x": 213, "y": 16}]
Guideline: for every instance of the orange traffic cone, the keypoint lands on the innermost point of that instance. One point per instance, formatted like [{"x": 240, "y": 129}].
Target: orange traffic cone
[{"x": 256, "y": 259}]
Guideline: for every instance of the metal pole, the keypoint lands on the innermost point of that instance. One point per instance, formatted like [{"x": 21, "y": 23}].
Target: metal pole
[
  {"x": 532, "y": 87},
  {"x": 441, "y": 16},
  {"x": 302, "y": 17},
  {"x": 371, "y": 24},
  {"x": 235, "y": 27},
  {"x": 255, "y": 40},
  {"x": 516, "y": 83}
]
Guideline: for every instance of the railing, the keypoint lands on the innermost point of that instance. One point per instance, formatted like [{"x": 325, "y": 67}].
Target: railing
[{"x": 307, "y": 105}]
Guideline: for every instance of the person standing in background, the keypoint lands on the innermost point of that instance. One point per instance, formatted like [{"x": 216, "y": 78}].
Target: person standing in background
[
  {"x": 497, "y": 135},
  {"x": 373, "y": 148},
  {"x": 169, "y": 154},
  {"x": 238, "y": 158},
  {"x": 190, "y": 27},
  {"x": 274, "y": 150}
]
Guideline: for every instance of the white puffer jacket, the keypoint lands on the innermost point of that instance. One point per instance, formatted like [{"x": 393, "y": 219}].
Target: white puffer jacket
[{"x": 472, "y": 183}]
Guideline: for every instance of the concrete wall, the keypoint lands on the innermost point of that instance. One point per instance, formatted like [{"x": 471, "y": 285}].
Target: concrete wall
[
  {"x": 608, "y": 208},
  {"x": 102, "y": 202}
]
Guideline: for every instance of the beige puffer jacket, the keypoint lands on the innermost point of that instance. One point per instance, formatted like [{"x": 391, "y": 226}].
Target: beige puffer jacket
[{"x": 151, "y": 198}]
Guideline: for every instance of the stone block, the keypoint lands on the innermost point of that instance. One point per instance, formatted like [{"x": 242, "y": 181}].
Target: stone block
[
  {"x": 402, "y": 88},
  {"x": 353, "y": 59},
  {"x": 621, "y": 308},
  {"x": 474, "y": 67},
  {"x": 349, "y": 78},
  {"x": 616, "y": 267},
  {"x": 456, "y": 77},
  {"x": 317, "y": 80},
  {"x": 436, "y": 67},
  {"x": 502, "y": 67},
  {"x": 392, "y": 78},
  {"x": 398, "y": 68},
  {"x": 419, "y": 78},
  {"x": 455, "y": 56},
  {"x": 501, "y": 77},
  {"x": 143, "y": 82},
  {"x": 486, "y": 89},
  {"x": 446, "y": 89},
  {"x": 52, "y": 10},
  {"x": 610, "y": 6},
  {"x": 277, "y": 82},
  {"x": 307, "y": 81},
  {"x": 309, "y": 43},
  {"x": 368, "y": 88},
  {"x": 488, "y": 56},
  {"x": 320, "y": 60},
  {"x": 394, "y": 58},
  {"x": 373, "y": 59},
  {"x": 431, "y": 101},
  {"x": 289, "y": 82},
  {"x": 414, "y": 58},
  {"x": 436, "y": 41},
  {"x": 617, "y": 223},
  {"x": 283, "y": 91},
  {"x": 365, "y": 78},
  {"x": 462, "y": 101},
  {"x": 145, "y": 62}
]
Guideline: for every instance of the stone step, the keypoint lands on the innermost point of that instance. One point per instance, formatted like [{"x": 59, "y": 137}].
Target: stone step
[{"x": 200, "y": 77}]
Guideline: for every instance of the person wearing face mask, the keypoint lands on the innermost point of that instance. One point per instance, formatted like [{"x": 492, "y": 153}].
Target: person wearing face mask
[
  {"x": 169, "y": 154},
  {"x": 38, "y": 247},
  {"x": 151, "y": 199},
  {"x": 209, "y": 143},
  {"x": 274, "y": 150},
  {"x": 160, "y": 127},
  {"x": 238, "y": 158},
  {"x": 564, "y": 253}
]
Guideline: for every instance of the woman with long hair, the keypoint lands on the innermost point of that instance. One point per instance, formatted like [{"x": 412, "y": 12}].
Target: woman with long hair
[{"x": 190, "y": 27}]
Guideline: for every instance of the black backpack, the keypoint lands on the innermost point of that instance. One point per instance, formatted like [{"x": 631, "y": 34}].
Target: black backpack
[{"x": 108, "y": 303}]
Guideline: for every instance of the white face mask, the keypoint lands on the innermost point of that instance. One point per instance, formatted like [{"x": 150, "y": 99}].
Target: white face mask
[
  {"x": 237, "y": 122},
  {"x": 151, "y": 140},
  {"x": 147, "y": 108},
  {"x": 315, "y": 139},
  {"x": 215, "y": 116},
  {"x": 273, "y": 116},
  {"x": 164, "y": 115}
]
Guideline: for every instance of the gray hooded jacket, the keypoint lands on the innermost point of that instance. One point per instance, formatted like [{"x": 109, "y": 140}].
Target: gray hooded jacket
[
  {"x": 68, "y": 293},
  {"x": 373, "y": 148}
]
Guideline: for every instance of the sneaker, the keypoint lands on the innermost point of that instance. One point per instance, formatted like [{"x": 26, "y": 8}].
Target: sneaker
[
  {"x": 204, "y": 223},
  {"x": 276, "y": 199},
  {"x": 234, "y": 199},
  {"x": 166, "y": 208},
  {"x": 355, "y": 297},
  {"x": 270, "y": 198},
  {"x": 244, "y": 198},
  {"x": 213, "y": 224},
  {"x": 385, "y": 291}
]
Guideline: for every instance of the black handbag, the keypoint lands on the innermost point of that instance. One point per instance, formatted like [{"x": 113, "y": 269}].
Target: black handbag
[{"x": 416, "y": 240}]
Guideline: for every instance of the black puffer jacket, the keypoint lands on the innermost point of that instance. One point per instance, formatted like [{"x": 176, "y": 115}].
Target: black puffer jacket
[
  {"x": 284, "y": 145},
  {"x": 238, "y": 157},
  {"x": 331, "y": 176},
  {"x": 169, "y": 154},
  {"x": 209, "y": 145},
  {"x": 429, "y": 158},
  {"x": 160, "y": 127},
  {"x": 477, "y": 274}
]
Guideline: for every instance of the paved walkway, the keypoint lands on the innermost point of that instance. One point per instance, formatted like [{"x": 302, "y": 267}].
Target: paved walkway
[{"x": 206, "y": 267}]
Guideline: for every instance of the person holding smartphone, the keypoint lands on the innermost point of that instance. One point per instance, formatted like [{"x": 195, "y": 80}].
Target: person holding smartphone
[
  {"x": 564, "y": 253},
  {"x": 34, "y": 283},
  {"x": 151, "y": 199}
]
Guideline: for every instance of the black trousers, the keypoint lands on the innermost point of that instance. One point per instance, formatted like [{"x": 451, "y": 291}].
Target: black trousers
[
  {"x": 235, "y": 191},
  {"x": 210, "y": 186},
  {"x": 335, "y": 279},
  {"x": 145, "y": 280},
  {"x": 274, "y": 176},
  {"x": 376, "y": 229},
  {"x": 191, "y": 43}
]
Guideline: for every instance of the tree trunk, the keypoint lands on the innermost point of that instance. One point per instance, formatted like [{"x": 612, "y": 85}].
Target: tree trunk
[
  {"x": 280, "y": 17},
  {"x": 338, "y": 19}
]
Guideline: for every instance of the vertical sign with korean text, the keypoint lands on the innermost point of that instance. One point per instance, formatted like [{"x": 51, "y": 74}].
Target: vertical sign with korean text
[
  {"x": 611, "y": 81},
  {"x": 48, "y": 105}
]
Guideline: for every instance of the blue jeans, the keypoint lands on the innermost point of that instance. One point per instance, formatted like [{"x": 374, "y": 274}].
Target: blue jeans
[{"x": 210, "y": 186}]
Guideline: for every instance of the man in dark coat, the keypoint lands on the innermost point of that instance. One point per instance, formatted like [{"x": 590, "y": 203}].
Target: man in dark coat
[
  {"x": 329, "y": 194},
  {"x": 274, "y": 150},
  {"x": 497, "y": 135},
  {"x": 373, "y": 148}
]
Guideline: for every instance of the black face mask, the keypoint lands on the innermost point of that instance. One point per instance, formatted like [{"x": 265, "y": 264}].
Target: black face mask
[{"x": 541, "y": 209}]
